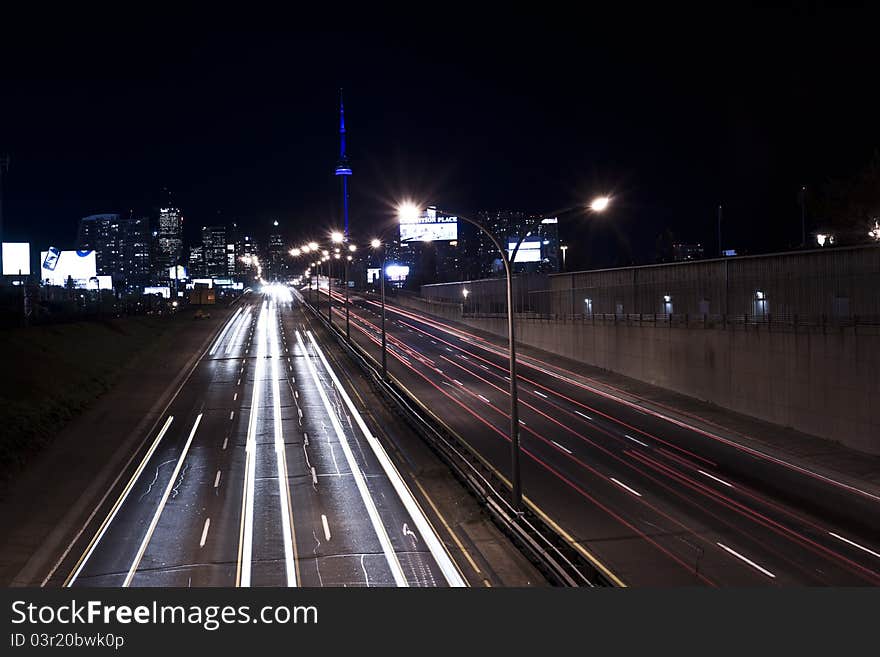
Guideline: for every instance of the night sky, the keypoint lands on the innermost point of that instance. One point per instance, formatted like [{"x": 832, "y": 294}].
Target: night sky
[{"x": 671, "y": 114}]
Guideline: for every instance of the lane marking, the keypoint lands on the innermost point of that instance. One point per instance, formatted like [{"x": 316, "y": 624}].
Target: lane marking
[
  {"x": 436, "y": 547},
  {"x": 235, "y": 396},
  {"x": 720, "y": 481},
  {"x": 224, "y": 442},
  {"x": 747, "y": 560},
  {"x": 540, "y": 394},
  {"x": 205, "y": 532},
  {"x": 484, "y": 399},
  {"x": 563, "y": 448},
  {"x": 326, "y": 526},
  {"x": 636, "y": 440},
  {"x": 231, "y": 414},
  {"x": 854, "y": 544},
  {"x": 161, "y": 507},
  {"x": 120, "y": 500},
  {"x": 622, "y": 485},
  {"x": 217, "y": 479}
]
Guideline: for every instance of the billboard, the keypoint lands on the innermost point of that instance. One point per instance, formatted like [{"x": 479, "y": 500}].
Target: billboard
[
  {"x": 396, "y": 273},
  {"x": 164, "y": 291},
  {"x": 429, "y": 227},
  {"x": 16, "y": 258},
  {"x": 100, "y": 283},
  {"x": 177, "y": 272},
  {"x": 373, "y": 274},
  {"x": 529, "y": 251},
  {"x": 57, "y": 266}
]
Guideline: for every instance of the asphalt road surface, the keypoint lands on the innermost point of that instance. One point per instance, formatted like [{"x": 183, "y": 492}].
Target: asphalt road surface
[
  {"x": 651, "y": 499},
  {"x": 261, "y": 473}
]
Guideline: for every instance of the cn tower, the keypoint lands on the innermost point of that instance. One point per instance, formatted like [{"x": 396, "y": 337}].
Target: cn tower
[{"x": 343, "y": 168}]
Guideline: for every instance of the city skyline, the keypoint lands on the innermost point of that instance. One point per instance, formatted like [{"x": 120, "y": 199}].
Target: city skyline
[{"x": 256, "y": 137}]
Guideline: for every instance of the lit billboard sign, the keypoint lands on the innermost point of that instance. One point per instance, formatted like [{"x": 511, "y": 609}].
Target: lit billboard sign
[
  {"x": 16, "y": 258},
  {"x": 429, "y": 227},
  {"x": 373, "y": 274},
  {"x": 529, "y": 251},
  {"x": 397, "y": 272},
  {"x": 163, "y": 291},
  {"x": 58, "y": 266}
]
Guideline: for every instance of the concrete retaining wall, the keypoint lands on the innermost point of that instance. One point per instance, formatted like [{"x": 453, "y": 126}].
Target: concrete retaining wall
[{"x": 824, "y": 384}]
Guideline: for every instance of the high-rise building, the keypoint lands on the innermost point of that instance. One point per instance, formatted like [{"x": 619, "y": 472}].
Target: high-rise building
[
  {"x": 169, "y": 237},
  {"x": 121, "y": 246},
  {"x": 539, "y": 251},
  {"x": 277, "y": 263},
  {"x": 196, "y": 262},
  {"x": 214, "y": 251}
]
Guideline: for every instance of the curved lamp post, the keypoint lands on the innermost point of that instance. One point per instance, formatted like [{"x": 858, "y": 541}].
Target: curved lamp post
[{"x": 406, "y": 211}]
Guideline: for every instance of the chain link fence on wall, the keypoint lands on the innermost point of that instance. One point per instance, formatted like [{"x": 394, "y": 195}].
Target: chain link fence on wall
[{"x": 816, "y": 289}]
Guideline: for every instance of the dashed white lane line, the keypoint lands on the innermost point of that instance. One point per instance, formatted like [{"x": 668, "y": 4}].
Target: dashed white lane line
[
  {"x": 540, "y": 394},
  {"x": 854, "y": 544},
  {"x": 217, "y": 479},
  {"x": 484, "y": 399},
  {"x": 622, "y": 485},
  {"x": 746, "y": 559},
  {"x": 584, "y": 415},
  {"x": 238, "y": 383},
  {"x": 635, "y": 440},
  {"x": 720, "y": 481},
  {"x": 235, "y": 396},
  {"x": 326, "y": 527},
  {"x": 564, "y": 449},
  {"x": 231, "y": 414},
  {"x": 205, "y": 532},
  {"x": 225, "y": 440}
]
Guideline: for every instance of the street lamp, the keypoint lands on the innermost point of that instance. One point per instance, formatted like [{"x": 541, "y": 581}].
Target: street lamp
[
  {"x": 376, "y": 243},
  {"x": 407, "y": 211},
  {"x": 563, "y": 248}
]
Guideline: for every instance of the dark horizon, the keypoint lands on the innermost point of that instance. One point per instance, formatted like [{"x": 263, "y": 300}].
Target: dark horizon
[{"x": 671, "y": 122}]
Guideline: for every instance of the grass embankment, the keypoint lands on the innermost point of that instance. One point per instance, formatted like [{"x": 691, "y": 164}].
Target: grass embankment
[{"x": 51, "y": 373}]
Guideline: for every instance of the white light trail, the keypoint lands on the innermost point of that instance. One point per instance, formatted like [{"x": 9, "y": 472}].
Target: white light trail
[
  {"x": 241, "y": 323},
  {"x": 110, "y": 516},
  {"x": 360, "y": 482},
  {"x": 162, "y": 502},
  {"x": 433, "y": 542},
  {"x": 246, "y": 534},
  {"x": 223, "y": 332},
  {"x": 280, "y": 456}
]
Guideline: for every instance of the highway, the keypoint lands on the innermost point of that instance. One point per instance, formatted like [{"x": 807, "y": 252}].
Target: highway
[
  {"x": 651, "y": 499},
  {"x": 261, "y": 472}
]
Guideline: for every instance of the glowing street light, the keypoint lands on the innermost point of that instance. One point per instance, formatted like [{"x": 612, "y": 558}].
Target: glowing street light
[
  {"x": 337, "y": 237},
  {"x": 375, "y": 243},
  {"x": 408, "y": 211},
  {"x": 295, "y": 252},
  {"x": 313, "y": 246},
  {"x": 352, "y": 248},
  {"x": 600, "y": 203}
]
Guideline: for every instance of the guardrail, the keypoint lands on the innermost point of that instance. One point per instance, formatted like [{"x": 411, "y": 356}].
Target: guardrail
[{"x": 532, "y": 532}]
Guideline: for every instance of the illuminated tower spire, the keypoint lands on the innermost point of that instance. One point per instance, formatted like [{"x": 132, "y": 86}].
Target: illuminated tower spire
[{"x": 343, "y": 168}]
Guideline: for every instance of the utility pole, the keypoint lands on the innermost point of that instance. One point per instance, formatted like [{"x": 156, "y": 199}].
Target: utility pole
[
  {"x": 803, "y": 216},
  {"x": 4, "y": 166},
  {"x": 720, "y": 249}
]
